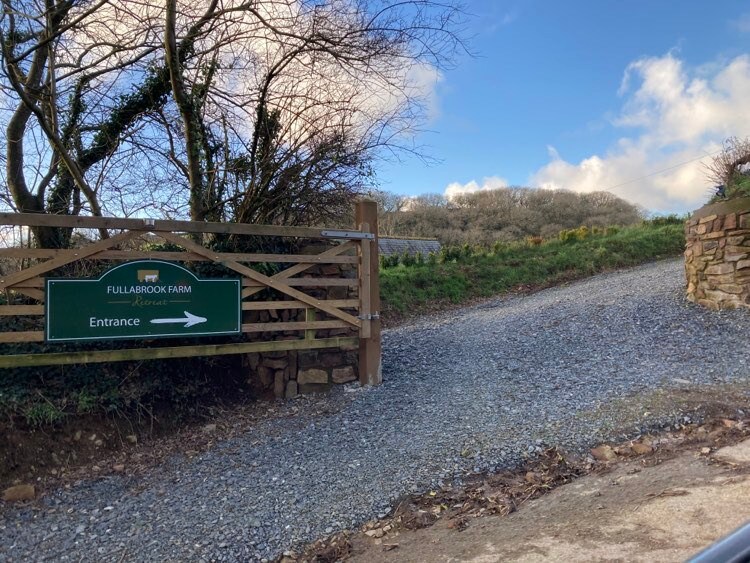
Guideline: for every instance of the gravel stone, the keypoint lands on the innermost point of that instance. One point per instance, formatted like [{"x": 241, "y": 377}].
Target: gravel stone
[{"x": 466, "y": 391}]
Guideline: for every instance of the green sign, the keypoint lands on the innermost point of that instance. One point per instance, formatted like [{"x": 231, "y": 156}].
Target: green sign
[{"x": 141, "y": 299}]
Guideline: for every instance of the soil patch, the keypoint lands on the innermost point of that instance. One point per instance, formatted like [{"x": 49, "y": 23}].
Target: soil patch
[{"x": 85, "y": 447}]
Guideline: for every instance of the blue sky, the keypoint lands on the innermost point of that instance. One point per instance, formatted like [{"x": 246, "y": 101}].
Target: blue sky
[{"x": 587, "y": 95}]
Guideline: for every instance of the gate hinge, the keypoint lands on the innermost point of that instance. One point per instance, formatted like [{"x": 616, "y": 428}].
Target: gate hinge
[{"x": 369, "y": 317}]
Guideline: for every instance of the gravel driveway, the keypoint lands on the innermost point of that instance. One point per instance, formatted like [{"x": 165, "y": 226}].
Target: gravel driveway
[{"x": 471, "y": 390}]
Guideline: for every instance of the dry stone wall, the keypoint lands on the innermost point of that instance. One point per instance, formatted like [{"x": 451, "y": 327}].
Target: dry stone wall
[
  {"x": 287, "y": 374},
  {"x": 717, "y": 255}
]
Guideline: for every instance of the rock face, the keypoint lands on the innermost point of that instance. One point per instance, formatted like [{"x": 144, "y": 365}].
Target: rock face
[{"x": 717, "y": 255}]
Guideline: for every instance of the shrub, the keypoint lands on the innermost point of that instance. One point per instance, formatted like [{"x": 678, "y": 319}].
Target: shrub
[{"x": 408, "y": 259}]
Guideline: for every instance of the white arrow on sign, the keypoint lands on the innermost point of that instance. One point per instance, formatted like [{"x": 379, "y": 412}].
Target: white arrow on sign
[{"x": 189, "y": 319}]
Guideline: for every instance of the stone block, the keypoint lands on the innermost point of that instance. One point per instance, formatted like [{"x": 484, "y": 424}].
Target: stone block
[
  {"x": 743, "y": 264},
  {"x": 308, "y": 358},
  {"x": 720, "y": 269},
  {"x": 265, "y": 376},
  {"x": 331, "y": 359},
  {"x": 708, "y": 304},
  {"x": 291, "y": 390},
  {"x": 330, "y": 270},
  {"x": 314, "y": 249},
  {"x": 736, "y": 240},
  {"x": 707, "y": 219},
  {"x": 734, "y": 257},
  {"x": 279, "y": 385},
  {"x": 722, "y": 278},
  {"x": 337, "y": 292},
  {"x": 731, "y": 288},
  {"x": 19, "y": 493},
  {"x": 312, "y": 375},
  {"x": 738, "y": 454},
  {"x": 252, "y": 361},
  {"x": 701, "y": 229},
  {"x": 275, "y": 363},
  {"x": 716, "y": 295},
  {"x": 716, "y": 235},
  {"x": 711, "y": 244},
  {"x": 343, "y": 375},
  {"x": 342, "y": 332},
  {"x": 277, "y": 355},
  {"x": 730, "y": 221}
]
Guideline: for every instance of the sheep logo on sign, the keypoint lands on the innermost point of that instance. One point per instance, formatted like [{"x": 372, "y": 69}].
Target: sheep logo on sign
[{"x": 148, "y": 276}]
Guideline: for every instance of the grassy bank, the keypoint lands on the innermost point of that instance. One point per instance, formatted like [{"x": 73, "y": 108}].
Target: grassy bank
[{"x": 461, "y": 274}]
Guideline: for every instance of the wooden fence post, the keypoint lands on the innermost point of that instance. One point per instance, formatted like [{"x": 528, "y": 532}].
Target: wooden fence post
[{"x": 370, "y": 373}]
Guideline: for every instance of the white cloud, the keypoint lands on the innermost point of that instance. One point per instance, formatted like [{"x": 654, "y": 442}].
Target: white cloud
[
  {"x": 421, "y": 81},
  {"x": 490, "y": 183},
  {"x": 678, "y": 115}
]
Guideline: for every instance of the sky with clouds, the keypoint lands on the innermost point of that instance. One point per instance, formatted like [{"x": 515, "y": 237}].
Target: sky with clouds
[{"x": 631, "y": 97}]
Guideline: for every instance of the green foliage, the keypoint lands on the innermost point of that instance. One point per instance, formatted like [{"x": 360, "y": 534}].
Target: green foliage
[
  {"x": 42, "y": 414},
  {"x": 458, "y": 274},
  {"x": 663, "y": 220},
  {"x": 43, "y": 396},
  {"x": 408, "y": 259}
]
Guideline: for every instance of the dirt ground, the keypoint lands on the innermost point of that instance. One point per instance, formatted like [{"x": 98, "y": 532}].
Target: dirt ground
[
  {"x": 663, "y": 498},
  {"x": 667, "y": 512}
]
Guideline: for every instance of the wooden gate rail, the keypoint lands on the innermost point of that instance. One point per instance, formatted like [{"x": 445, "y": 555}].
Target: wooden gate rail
[{"x": 360, "y": 314}]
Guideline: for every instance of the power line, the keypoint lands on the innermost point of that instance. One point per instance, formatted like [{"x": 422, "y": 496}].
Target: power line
[{"x": 661, "y": 171}]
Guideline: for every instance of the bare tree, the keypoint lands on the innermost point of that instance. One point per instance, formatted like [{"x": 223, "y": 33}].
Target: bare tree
[
  {"x": 725, "y": 168},
  {"x": 285, "y": 104},
  {"x": 507, "y": 214},
  {"x": 255, "y": 111}
]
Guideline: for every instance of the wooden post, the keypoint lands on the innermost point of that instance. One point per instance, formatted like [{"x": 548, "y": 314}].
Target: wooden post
[{"x": 370, "y": 372}]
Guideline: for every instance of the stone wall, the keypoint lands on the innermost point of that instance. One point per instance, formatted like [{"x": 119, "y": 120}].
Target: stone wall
[
  {"x": 717, "y": 255},
  {"x": 287, "y": 374}
]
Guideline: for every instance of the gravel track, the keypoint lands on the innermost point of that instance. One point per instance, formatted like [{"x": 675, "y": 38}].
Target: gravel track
[{"x": 467, "y": 391}]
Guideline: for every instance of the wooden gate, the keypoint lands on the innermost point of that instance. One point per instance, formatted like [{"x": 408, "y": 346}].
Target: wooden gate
[{"x": 25, "y": 295}]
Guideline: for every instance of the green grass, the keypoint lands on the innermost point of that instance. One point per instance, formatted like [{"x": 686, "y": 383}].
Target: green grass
[{"x": 414, "y": 288}]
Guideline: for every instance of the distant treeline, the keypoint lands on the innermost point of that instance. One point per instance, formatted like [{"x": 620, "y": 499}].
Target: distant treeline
[{"x": 505, "y": 214}]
